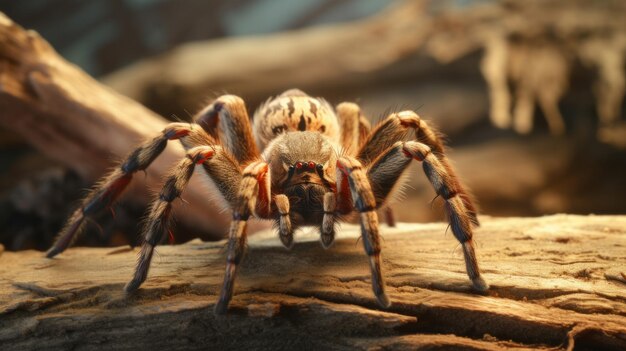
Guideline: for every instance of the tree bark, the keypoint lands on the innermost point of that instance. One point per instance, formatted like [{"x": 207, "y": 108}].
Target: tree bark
[{"x": 556, "y": 282}]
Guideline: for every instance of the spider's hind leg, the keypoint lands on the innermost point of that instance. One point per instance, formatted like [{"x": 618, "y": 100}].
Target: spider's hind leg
[
  {"x": 354, "y": 131},
  {"x": 395, "y": 128},
  {"x": 388, "y": 158},
  {"x": 387, "y": 168},
  {"x": 461, "y": 218},
  {"x": 113, "y": 185},
  {"x": 431, "y": 138},
  {"x": 226, "y": 120}
]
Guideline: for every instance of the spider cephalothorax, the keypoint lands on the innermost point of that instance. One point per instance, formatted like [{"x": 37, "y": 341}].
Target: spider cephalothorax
[
  {"x": 303, "y": 164},
  {"x": 317, "y": 164}
]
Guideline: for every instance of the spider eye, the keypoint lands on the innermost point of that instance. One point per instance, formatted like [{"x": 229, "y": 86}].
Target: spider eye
[{"x": 278, "y": 130}]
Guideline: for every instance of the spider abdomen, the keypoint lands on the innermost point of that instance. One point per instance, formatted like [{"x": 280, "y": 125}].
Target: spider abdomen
[{"x": 294, "y": 111}]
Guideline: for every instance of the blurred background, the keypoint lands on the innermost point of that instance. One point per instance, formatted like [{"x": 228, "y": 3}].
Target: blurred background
[{"x": 529, "y": 93}]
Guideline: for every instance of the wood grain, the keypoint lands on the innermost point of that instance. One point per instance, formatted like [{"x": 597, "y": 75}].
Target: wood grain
[{"x": 557, "y": 282}]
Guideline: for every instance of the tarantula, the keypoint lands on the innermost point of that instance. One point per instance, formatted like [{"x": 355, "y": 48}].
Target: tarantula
[{"x": 316, "y": 165}]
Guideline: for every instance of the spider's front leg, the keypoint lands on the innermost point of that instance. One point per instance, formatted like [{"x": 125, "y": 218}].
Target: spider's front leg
[
  {"x": 328, "y": 221},
  {"x": 350, "y": 171},
  {"x": 285, "y": 229},
  {"x": 159, "y": 219},
  {"x": 254, "y": 197}
]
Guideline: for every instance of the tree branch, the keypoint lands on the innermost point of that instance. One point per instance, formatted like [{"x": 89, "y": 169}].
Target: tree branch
[{"x": 86, "y": 126}]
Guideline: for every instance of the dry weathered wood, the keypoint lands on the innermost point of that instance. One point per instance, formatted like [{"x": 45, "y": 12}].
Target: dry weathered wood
[
  {"x": 72, "y": 118},
  {"x": 63, "y": 111},
  {"x": 556, "y": 281}
]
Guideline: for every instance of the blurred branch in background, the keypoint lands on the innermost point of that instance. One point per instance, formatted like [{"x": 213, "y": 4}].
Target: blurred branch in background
[
  {"x": 87, "y": 127},
  {"x": 101, "y": 36},
  {"x": 529, "y": 49}
]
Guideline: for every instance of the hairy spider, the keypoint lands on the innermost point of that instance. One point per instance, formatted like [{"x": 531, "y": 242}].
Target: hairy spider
[{"x": 317, "y": 165}]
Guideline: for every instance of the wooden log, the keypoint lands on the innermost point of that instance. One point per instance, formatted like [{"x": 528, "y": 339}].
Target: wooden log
[
  {"x": 84, "y": 125},
  {"x": 556, "y": 282}
]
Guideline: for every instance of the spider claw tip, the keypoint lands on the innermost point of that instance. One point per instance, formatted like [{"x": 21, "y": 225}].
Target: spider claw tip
[
  {"x": 383, "y": 300},
  {"x": 220, "y": 308},
  {"x": 327, "y": 241},
  {"x": 480, "y": 284},
  {"x": 132, "y": 286},
  {"x": 53, "y": 251},
  {"x": 287, "y": 242}
]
